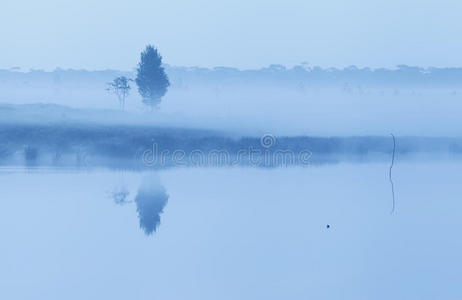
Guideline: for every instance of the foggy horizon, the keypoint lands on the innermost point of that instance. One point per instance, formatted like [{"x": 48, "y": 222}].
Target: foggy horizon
[{"x": 304, "y": 64}]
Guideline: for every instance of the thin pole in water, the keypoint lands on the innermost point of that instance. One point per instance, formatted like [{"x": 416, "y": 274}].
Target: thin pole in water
[{"x": 389, "y": 174}]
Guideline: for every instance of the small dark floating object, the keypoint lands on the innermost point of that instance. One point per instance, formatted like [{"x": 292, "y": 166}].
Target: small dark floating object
[{"x": 327, "y": 226}]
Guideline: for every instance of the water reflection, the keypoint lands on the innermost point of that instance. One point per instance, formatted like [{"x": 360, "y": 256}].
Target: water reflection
[
  {"x": 150, "y": 202},
  {"x": 119, "y": 195}
]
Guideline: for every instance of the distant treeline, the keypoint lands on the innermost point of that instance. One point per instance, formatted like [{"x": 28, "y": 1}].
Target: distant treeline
[
  {"x": 402, "y": 76},
  {"x": 143, "y": 146}
]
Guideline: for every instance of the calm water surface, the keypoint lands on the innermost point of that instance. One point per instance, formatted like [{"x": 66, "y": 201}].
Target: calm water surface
[{"x": 238, "y": 233}]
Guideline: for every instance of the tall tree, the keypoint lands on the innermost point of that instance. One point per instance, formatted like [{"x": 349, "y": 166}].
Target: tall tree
[
  {"x": 151, "y": 78},
  {"x": 121, "y": 88}
]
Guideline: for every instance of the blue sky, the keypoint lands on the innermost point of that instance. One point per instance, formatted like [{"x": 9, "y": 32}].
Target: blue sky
[{"x": 246, "y": 34}]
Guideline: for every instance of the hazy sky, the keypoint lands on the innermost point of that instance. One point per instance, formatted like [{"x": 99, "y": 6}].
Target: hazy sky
[{"x": 246, "y": 34}]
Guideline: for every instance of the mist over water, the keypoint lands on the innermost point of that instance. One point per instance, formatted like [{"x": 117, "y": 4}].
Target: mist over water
[{"x": 215, "y": 150}]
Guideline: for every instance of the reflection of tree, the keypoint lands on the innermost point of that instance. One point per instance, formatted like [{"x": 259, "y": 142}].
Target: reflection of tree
[
  {"x": 150, "y": 202},
  {"x": 119, "y": 195}
]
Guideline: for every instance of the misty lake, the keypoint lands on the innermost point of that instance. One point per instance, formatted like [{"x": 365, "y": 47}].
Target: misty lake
[{"x": 318, "y": 232}]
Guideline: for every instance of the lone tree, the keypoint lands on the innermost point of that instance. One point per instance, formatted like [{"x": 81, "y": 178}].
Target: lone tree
[
  {"x": 121, "y": 88},
  {"x": 151, "y": 78}
]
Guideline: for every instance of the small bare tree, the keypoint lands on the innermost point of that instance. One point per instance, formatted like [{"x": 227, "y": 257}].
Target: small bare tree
[{"x": 121, "y": 88}]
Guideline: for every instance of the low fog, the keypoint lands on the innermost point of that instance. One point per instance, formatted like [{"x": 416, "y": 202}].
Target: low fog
[{"x": 303, "y": 100}]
